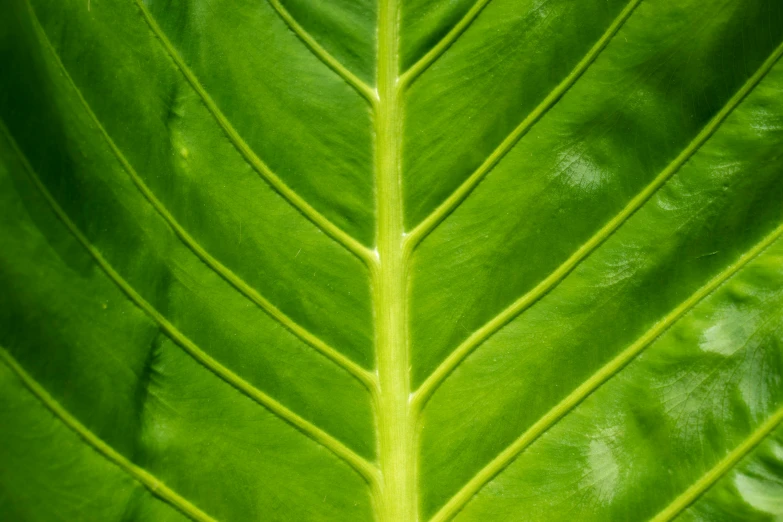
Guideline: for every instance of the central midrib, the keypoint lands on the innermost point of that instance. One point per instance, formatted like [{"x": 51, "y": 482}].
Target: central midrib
[{"x": 397, "y": 502}]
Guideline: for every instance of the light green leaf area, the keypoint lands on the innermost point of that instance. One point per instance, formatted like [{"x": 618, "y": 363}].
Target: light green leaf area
[{"x": 393, "y": 260}]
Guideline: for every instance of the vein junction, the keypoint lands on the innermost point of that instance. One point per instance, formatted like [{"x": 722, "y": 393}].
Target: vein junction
[
  {"x": 397, "y": 502},
  {"x": 366, "y": 470},
  {"x": 394, "y": 482},
  {"x": 362, "y": 375}
]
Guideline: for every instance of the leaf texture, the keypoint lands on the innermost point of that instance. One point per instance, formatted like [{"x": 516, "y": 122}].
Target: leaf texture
[{"x": 393, "y": 260}]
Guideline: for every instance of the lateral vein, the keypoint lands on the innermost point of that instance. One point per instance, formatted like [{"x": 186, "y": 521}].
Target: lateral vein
[
  {"x": 431, "y": 56},
  {"x": 322, "y": 54},
  {"x": 558, "y": 275},
  {"x": 690, "y": 495},
  {"x": 431, "y": 222},
  {"x": 153, "y": 484},
  {"x": 362, "y": 375},
  {"x": 366, "y": 470},
  {"x": 564, "y": 407},
  {"x": 307, "y": 210}
]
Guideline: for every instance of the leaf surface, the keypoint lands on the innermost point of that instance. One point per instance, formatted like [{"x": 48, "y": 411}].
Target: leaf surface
[{"x": 401, "y": 260}]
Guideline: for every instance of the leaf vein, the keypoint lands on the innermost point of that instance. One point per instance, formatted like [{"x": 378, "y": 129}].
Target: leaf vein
[
  {"x": 560, "y": 273},
  {"x": 363, "y": 376},
  {"x": 140, "y": 475},
  {"x": 576, "y": 397},
  {"x": 308, "y": 211},
  {"x": 322, "y": 54},
  {"x": 431, "y": 222},
  {"x": 431, "y": 56},
  {"x": 366, "y": 470},
  {"x": 690, "y": 495}
]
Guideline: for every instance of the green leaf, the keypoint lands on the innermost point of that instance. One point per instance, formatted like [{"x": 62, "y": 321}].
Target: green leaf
[{"x": 413, "y": 260}]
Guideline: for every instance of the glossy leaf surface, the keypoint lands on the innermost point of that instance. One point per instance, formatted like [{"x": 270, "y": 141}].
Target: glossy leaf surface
[{"x": 403, "y": 260}]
